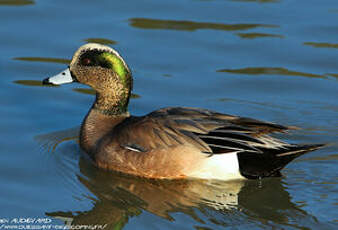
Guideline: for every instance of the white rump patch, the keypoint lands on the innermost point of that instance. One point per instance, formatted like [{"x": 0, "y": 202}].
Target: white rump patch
[{"x": 219, "y": 166}]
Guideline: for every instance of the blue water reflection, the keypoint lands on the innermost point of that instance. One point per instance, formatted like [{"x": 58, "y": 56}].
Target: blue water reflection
[{"x": 271, "y": 60}]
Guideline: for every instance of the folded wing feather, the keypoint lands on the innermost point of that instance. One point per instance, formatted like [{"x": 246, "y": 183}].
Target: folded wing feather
[{"x": 209, "y": 131}]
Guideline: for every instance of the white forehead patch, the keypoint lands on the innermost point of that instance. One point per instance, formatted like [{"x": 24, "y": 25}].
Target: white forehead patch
[{"x": 96, "y": 46}]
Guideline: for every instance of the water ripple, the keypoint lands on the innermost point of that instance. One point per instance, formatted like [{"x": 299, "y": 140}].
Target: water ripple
[
  {"x": 16, "y": 2},
  {"x": 146, "y": 23},
  {"x": 258, "y": 35},
  {"x": 270, "y": 71},
  {"x": 102, "y": 41},
  {"x": 43, "y": 59},
  {"x": 257, "y": 1},
  {"x": 321, "y": 45},
  {"x": 33, "y": 83}
]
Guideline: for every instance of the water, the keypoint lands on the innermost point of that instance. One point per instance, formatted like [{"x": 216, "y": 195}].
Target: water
[{"x": 271, "y": 60}]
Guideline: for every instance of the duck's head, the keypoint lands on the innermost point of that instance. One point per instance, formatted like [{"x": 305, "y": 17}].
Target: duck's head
[{"x": 102, "y": 68}]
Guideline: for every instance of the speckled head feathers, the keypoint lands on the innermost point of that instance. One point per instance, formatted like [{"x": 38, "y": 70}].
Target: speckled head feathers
[{"x": 103, "y": 68}]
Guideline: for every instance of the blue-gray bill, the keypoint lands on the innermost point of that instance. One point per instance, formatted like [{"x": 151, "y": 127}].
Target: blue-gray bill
[{"x": 59, "y": 79}]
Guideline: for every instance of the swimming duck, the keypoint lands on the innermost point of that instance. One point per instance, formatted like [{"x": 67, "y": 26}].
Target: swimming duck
[{"x": 175, "y": 142}]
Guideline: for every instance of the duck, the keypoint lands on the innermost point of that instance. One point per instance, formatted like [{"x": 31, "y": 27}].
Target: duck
[{"x": 173, "y": 142}]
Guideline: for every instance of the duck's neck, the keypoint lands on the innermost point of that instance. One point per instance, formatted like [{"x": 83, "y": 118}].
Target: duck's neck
[
  {"x": 104, "y": 115},
  {"x": 112, "y": 103}
]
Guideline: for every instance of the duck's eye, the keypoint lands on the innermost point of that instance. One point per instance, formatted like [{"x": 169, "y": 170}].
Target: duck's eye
[{"x": 86, "y": 61}]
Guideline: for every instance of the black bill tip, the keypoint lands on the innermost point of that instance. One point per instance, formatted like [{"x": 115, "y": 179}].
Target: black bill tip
[{"x": 46, "y": 81}]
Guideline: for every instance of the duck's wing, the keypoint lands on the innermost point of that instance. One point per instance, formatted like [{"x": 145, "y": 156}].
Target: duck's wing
[
  {"x": 259, "y": 154},
  {"x": 210, "y": 132}
]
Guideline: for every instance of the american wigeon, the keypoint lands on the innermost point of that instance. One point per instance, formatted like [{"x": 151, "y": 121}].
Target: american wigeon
[{"x": 171, "y": 142}]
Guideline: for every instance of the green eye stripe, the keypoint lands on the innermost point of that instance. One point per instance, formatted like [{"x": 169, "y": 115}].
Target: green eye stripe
[{"x": 106, "y": 60}]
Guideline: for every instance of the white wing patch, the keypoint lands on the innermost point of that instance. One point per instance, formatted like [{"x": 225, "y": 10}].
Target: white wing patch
[{"x": 132, "y": 149}]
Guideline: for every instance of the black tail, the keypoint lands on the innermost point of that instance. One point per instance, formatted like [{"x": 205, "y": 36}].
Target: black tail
[{"x": 271, "y": 161}]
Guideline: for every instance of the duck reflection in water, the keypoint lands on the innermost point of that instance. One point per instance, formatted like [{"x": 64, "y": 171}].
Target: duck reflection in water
[{"x": 120, "y": 197}]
